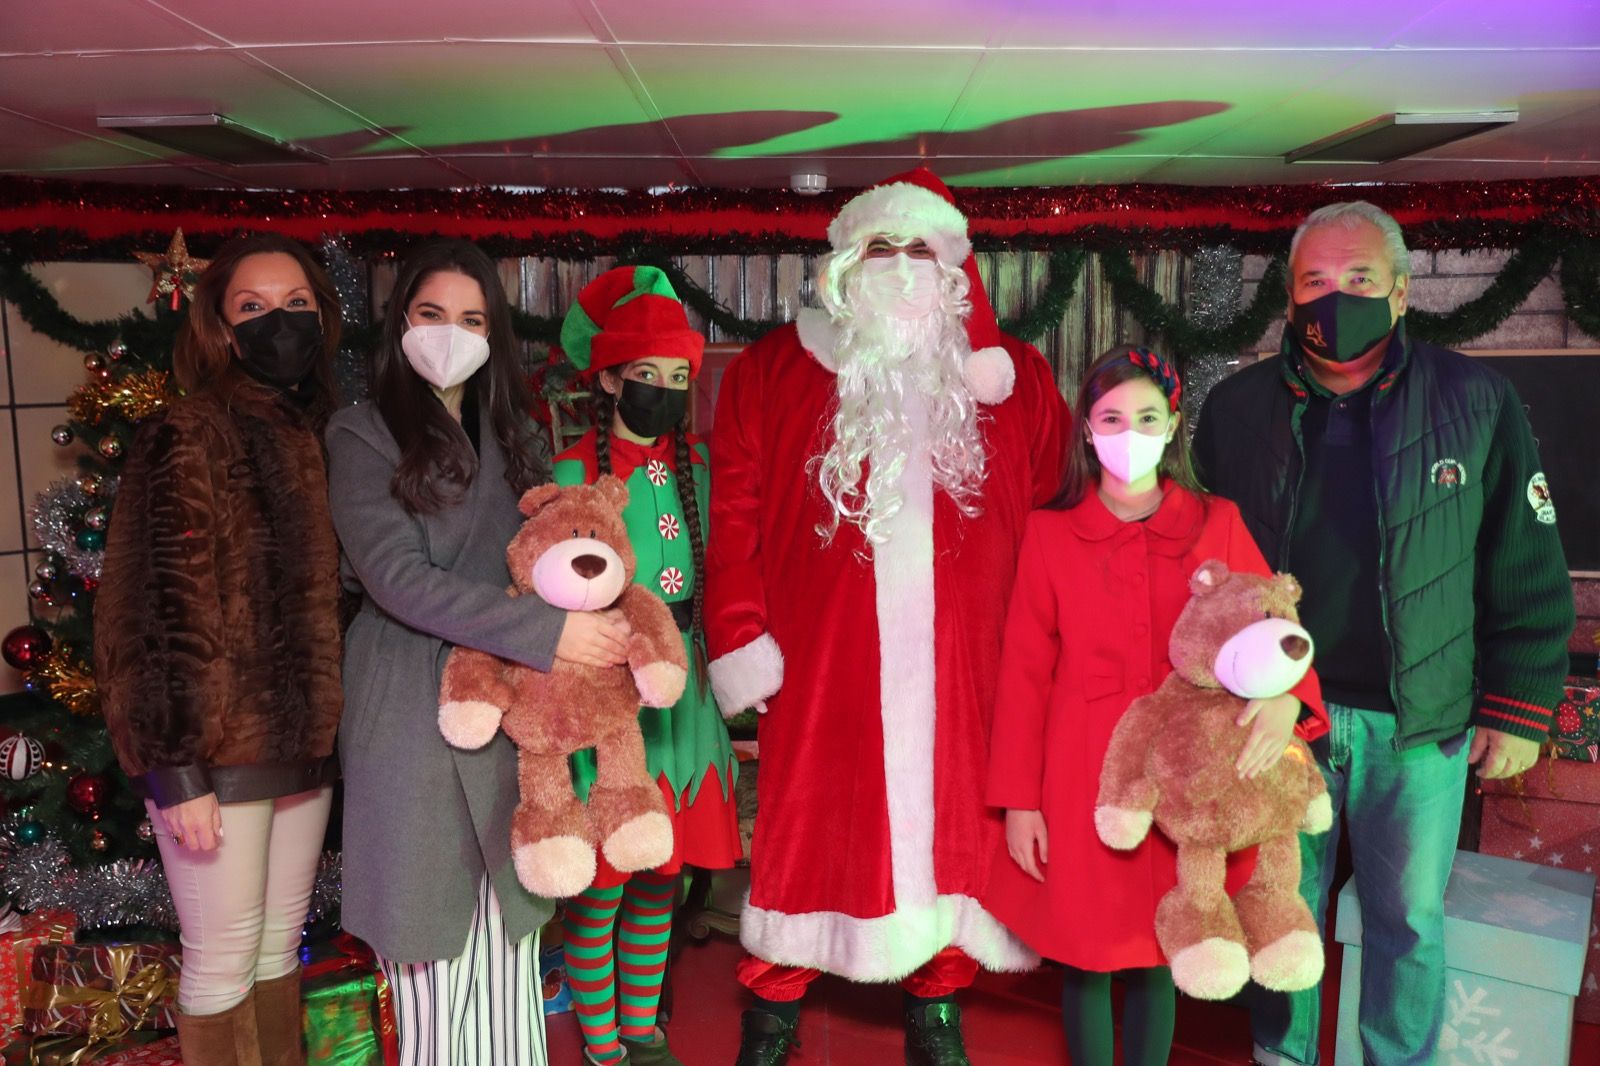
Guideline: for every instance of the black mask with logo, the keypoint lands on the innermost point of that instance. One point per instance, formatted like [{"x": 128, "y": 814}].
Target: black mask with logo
[
  {"x": 280, "y": 347},
  {"x": 1341, "y": 327},
  {"x": 651, "y": 410}
]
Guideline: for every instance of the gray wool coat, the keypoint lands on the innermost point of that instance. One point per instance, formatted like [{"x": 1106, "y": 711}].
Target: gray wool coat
[{"x": 422, "y": 820}]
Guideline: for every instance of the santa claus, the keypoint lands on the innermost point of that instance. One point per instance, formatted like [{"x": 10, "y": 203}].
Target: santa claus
[{"x": 872, "y": 467}]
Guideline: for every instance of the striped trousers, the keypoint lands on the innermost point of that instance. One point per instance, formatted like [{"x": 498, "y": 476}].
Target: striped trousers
[{"x": 484, "y": 1007}]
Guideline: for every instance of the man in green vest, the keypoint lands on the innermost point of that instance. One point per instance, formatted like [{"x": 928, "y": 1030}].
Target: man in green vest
[{"x": 1401, "y": 484}]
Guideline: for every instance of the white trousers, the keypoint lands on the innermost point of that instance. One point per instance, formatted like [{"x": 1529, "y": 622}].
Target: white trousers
[
  {"x": 486, "y": 1006},
  {"x": 242, "y": 907}
]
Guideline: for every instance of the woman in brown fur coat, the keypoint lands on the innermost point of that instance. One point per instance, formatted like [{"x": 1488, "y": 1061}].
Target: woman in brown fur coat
[{"x": 217, "y": 640}]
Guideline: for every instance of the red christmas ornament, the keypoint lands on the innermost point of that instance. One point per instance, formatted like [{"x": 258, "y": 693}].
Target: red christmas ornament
[
  {"x": 86, "y": 792},
  {"x": 25, "y": 647}
]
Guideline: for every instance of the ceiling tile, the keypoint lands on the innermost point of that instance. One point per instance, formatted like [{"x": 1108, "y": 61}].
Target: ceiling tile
[
  {"x": 1183, "y": 24},
  {"x": 922, "y": 87},
  {"x": 478, "y": 97},
  {"x": 852, "y": 23},
  {"x": 27, "y": 144},
  {"x": 318, "y": 21},
  {"x": 1479, "y": 23},
  {"x": 581, "y": 172},
  {"x": 93, "y": 26}
]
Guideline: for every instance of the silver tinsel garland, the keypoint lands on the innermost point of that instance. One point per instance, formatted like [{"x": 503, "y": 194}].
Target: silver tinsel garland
[
  {"x": 1215, "y": 293},
  {"x": 121, "y": 893},
  {"x": 57, "y": 514},
  {"x": 349, "y": 277}
]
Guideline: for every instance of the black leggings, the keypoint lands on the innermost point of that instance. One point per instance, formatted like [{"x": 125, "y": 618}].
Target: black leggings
[{"x": 1147, "y": 1014}]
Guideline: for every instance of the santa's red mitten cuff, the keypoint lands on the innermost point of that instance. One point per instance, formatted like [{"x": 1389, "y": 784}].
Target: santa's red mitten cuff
[{"x": 742, "y": 678}]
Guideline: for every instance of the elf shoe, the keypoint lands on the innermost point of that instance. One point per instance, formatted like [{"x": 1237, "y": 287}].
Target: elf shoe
[
  {"x": 933, "y": 1036},
  {"x": 652, "y": 1052},
  {"x": 766, "y": 1039}
]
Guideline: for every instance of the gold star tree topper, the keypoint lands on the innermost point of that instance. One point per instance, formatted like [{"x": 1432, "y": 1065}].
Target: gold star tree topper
[{"x": 174, "y": 270}]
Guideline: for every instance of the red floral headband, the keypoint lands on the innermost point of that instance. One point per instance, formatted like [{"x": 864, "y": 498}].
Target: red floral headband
[{"x": 1162, "y": 370}]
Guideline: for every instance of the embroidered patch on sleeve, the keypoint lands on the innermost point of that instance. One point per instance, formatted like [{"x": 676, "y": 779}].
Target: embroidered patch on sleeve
[
  {"x": 1544, "y": 508},
  {"x": 1448, "y": 472}
]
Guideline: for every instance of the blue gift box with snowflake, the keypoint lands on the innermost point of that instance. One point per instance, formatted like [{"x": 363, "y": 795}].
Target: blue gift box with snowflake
[{"x": 1515, "y": 936}]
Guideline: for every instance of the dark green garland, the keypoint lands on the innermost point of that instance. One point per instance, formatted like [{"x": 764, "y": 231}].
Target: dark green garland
[
  {"x": 1528, "y": 266},
  {"x": 1580, "y": 286},
  {"x": 1178, "y": 335}
]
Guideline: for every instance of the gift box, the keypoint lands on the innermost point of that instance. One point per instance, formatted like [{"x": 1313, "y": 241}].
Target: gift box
[
  {"x": 135, "y": 1049},
  {"x": 1515, "y": 935},
  {"x": 1576, "y": 734},
  {"x": 554, "y": 987},
  {"x": 22, "y": 934},
  {"x": 103, "y": 991},
  {"x": 1551, "y": 815},
  {"x": 348, "y": 1015}
]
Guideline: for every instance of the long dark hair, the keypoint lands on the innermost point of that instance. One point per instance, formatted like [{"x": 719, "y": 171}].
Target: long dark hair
[
  {"x": 204, "y": 347},
  {"x": 1114, "y": 367},
  {"x": 436, "y": 465},
  {"x": 605, "y": 406}
]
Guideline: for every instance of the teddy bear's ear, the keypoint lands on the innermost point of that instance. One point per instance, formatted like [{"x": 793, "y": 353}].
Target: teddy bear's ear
[
  {"x": 536, "y": 498},
  {"x": 1289, "y": 586},
  {"x": 1208, "y": 577},
  {"x": 613, "y": 491}
]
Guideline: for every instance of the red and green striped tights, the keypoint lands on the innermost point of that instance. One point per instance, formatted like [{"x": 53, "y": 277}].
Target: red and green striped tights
[{"x": 616, "y": 966}]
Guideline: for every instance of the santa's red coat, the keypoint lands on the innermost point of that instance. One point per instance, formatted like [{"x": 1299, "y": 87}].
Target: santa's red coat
[{"x": 878, "y": 665}]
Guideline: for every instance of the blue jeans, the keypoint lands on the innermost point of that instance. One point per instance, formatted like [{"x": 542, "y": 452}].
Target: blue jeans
[{"x": 1403, "y": 810}]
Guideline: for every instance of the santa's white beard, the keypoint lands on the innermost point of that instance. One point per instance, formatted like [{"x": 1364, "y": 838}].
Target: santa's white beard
[{"x": 881, "y": 360}]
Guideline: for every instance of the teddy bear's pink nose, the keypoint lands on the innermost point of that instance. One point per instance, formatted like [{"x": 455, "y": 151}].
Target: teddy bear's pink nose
[
  {"x": 1295, "y": 647},
  {"x": 589, "y": 566}
]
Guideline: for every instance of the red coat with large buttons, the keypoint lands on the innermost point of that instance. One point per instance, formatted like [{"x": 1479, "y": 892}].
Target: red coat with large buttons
[{"x": 1091, "y": 612}]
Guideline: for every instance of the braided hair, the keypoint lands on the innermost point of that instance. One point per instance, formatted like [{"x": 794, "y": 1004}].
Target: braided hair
[{"x": 605, "y": 407}]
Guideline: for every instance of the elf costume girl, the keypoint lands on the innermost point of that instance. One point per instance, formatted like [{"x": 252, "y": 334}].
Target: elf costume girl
[{"x": 628, "y": 337}]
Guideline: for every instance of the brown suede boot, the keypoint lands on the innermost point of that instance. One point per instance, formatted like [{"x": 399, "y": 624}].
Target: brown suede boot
[
  {"x": 278, "y": 1020},
  {"x": 226, "y": 1039}
]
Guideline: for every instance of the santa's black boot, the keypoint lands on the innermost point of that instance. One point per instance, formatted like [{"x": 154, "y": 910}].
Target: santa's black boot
[
  {"x": 933, "y": 1034},
  {"x": 766, "y": 1038}
]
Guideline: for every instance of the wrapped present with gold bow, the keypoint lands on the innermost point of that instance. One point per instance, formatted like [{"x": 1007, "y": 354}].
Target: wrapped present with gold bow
[
  {"x": 348, "y": 1013},
  {"x": 20, "y": 936},
  {"x": 102, "y": 991},
  {"x": 79, "y": 1051}
]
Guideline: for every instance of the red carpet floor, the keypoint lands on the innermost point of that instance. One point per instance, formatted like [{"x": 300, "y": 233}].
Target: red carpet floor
[{"x": 1009, "y": 1020}]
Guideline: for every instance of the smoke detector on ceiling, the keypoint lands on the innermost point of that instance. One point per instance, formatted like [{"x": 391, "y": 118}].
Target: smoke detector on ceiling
[{"x": 808, "y": 183}]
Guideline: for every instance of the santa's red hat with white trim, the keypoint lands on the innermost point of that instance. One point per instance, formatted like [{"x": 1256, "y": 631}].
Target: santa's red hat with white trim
[{"x": 917, "y": 205}]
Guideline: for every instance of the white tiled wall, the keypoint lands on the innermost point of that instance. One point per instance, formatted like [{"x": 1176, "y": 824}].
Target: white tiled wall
[{"x": 33, "y": 394}]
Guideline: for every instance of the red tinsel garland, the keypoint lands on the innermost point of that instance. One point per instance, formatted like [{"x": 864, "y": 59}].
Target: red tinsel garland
[{"x": 80, "y": 219}]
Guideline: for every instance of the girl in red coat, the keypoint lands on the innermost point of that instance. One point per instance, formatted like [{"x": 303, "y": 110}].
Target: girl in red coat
[{"x": 1103, "y": 573}]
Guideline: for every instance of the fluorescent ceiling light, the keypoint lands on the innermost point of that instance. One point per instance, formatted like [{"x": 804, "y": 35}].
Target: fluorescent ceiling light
[
  {"x": 214, "y": 137},
  {"x": 1391, "y": 137}
]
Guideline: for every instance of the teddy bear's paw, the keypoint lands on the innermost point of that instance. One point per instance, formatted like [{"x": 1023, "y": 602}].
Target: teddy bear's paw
[
  {"x": 1291, "y": 963},
  {"x": 641, "y": 843},
  {"x": 1121, "y": 827},
  {"x": 1319, "y": 815},
  {"x": 1215, "y": 968},
  {"x": 468, "y": 724},
  {"x": 555, "y": 867},
  {"x": 660, "y": 684}
]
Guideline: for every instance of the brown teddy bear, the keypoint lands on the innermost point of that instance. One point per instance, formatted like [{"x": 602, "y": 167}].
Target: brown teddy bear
[
  {"x": 573, "y": 552},
  {"x": 1172, "y": 759}
]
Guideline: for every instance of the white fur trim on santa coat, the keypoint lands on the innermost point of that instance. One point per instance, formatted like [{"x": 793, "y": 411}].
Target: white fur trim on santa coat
[
  {"x": 746, "y": 675},
  {"x": 887, "y": 948},
  {"x": 906, "y": 212},
  {"x": 817, "y": 331}
]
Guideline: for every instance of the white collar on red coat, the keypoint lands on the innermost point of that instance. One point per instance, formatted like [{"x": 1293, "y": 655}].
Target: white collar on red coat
[{"x": 990, "y": 373}]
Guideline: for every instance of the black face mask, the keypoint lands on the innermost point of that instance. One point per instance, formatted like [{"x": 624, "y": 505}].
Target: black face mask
[
  {"x": 1341, "y": 327},
  {"x": 650, "y": 410},
  {"x": 280, "y": 347}
]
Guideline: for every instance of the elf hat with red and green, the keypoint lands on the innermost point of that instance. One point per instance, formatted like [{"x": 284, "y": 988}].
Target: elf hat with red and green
[{"x": 625, "y": 314}]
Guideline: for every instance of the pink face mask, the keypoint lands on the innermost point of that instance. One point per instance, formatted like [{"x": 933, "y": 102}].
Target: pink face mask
[{"x": 900, "y": 286}]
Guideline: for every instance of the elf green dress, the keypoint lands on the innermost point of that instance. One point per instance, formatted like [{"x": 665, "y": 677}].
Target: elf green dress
[{"x": 686, "y": 745}]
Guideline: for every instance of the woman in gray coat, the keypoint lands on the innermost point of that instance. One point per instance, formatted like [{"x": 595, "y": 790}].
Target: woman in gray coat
[{"x": 424, "y": 482}]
